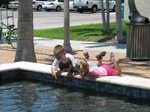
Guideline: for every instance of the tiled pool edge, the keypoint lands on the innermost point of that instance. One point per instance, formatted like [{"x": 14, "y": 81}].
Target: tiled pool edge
[{"x": 39, "y": 72}]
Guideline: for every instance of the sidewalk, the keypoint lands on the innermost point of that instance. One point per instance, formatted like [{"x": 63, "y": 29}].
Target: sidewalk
[{"x": 44, "y": 47}]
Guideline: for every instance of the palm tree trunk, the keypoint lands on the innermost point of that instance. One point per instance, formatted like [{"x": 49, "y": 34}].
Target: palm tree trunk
[
  {"x": 119, "y": 35},
  {"x": 103, "y": 15},
  {"x": 108, "y": 16},
  {"x": 25, "y": 46}
]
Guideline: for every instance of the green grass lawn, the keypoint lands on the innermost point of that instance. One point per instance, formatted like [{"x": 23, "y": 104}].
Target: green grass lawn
[{"x": 89, "y": 32}]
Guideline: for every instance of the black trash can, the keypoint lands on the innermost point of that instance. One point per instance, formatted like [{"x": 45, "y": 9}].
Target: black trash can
[{"x": 138, "y": 41}]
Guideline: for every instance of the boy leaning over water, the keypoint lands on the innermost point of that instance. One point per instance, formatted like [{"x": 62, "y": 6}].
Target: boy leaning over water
[
  {"x": 59, "y": 53},
  {"x": 65, "y": 65}
]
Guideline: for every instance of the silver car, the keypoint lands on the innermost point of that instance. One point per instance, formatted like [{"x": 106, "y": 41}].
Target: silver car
[
  {"x": 112, "y": 4},
  {"x": 71, "y": 5},
  {"x": 53, "y": 5},
  {"x": 13, "y": 4},
  {"x": 37, "y": 4}
]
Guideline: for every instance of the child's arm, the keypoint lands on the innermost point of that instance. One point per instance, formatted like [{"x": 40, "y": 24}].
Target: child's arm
[
  {"x": 72, "y": 74},
  {"x": 76, "y": 73},
  {"x": 53, "y": 70},
  {"x": 82, "y": 75},
  {"x": 98, "y": 75}
]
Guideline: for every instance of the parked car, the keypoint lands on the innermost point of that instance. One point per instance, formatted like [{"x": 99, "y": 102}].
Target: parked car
[
  {"x": 57, "y": 5},
  {"x": 37, "y": 4},
  {"x": 53, "y": 5},
  {"x": 71, "y": 5},
  {"x": 92, "y": 5},
  {"x": 13, "y": 4},
  {"x": 112, "y": 5}
]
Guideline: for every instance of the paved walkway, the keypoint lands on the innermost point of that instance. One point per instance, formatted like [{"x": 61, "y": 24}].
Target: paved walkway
[{"x": 43, "y": 50}]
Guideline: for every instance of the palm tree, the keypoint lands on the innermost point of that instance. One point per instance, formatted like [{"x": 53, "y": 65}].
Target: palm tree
[
  {"x": 106, "y": 18},
  {"x": 103, "y": 15},
  {"x": 25, "y": 47}
]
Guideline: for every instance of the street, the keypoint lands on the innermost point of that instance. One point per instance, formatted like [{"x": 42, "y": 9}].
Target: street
[
  {"x": 55, "y": 19},
  {"x": 43, "y": 20}
]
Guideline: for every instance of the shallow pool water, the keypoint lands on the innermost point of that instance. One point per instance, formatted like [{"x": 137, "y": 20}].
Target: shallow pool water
[{"x": 38, "y": 97}]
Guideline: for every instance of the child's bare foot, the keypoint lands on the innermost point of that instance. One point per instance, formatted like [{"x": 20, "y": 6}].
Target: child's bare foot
[{"x": 124, "y": 60}]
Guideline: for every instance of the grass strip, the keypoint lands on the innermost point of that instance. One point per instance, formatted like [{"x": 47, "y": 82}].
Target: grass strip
[{"x": 89, "y": 32}]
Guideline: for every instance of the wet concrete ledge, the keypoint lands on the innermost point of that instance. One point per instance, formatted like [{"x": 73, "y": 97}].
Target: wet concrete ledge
[{"x": 134, "y": 87}]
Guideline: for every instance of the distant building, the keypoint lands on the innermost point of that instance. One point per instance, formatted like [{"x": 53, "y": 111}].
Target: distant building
[{"x": 143, "y": 6}]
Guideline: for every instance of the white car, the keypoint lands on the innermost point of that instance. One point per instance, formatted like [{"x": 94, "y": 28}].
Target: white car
[
  {"x": 112, "y": 5},
  {"x": 71, "y": 5},
  {"x": 92, "y": 5},
  {"x": 37, "y": 4},
  {"x": 53, "y": 5}
]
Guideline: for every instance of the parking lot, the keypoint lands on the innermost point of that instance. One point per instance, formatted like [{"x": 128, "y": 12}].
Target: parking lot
[{"x": 55, "y": 19}]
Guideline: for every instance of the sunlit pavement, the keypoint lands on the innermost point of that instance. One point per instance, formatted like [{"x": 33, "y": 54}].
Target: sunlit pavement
[{"x": 44, "y": 55}]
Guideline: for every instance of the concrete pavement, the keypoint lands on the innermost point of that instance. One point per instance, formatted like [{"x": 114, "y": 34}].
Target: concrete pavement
[
  {"x": 83, "y": 45},
  {"x": 44, "y": 54}
]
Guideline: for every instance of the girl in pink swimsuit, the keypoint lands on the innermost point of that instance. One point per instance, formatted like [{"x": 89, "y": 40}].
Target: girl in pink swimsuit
[{"x": 95, "y": 72}]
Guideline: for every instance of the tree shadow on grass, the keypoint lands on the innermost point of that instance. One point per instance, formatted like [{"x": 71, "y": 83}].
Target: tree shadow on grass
[
  {"x": 84, "y": 31},
  {"x": 94, "y": 32},
  {"x": 93, "y": 29}
]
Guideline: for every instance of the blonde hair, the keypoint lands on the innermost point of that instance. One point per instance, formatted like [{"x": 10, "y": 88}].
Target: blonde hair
[
  {"x": 58, "y": 49},
  {"x": 82, "y": 66}
]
